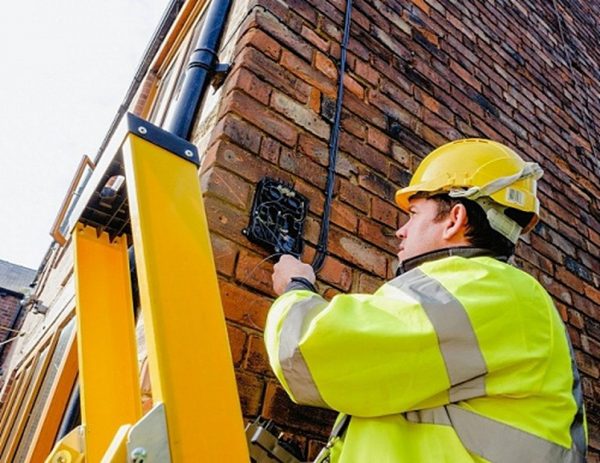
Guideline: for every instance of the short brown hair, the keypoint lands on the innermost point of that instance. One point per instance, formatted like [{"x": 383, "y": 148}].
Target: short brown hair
[{"x": 479, "y": 232}]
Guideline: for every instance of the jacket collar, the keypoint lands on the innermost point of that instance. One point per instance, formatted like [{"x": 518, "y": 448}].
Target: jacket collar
[{"x": 461, "y": 251}]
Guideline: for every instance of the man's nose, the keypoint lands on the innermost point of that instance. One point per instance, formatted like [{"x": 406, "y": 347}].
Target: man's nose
[{"x": 401, "y": 232}]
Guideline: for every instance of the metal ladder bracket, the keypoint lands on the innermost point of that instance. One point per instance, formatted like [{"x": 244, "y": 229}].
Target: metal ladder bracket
[{"x": 148, "y": 440}]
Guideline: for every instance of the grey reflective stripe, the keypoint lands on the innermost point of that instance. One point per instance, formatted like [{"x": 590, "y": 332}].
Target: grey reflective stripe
[
  {"x": 495, "y": 441},
  {"x": 464, "y": 362},
  {"x": 294, "y": 368},
  {"x": 437, "y": 415},
  {"x": 577, "y": 429}
]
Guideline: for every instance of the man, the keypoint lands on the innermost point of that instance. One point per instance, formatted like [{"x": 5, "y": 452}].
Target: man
[{"x": 461, "y": 357}]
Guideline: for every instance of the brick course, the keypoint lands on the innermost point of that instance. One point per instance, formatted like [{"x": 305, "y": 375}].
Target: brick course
[{"x": 419, "y": 74}]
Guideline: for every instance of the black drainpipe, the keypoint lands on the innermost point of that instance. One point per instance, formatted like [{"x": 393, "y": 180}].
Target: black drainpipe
[
  {"x": 200, "y": 70},
  {"x": 333, "y": 146}
]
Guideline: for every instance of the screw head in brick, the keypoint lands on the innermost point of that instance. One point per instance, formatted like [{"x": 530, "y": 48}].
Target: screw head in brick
[{"x": 143, "y": 130}]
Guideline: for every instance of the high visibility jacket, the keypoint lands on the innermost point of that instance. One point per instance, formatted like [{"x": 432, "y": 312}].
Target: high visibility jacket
[{"x": 457, "y": 360}]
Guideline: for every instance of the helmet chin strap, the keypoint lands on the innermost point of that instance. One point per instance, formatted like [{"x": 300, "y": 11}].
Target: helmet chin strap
[
  {"x": 495, "y": 212},
  {"x": 499, "y": 221}
]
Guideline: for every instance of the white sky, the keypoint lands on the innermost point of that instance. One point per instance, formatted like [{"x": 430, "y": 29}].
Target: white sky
[{"x": 65, "y": 68}]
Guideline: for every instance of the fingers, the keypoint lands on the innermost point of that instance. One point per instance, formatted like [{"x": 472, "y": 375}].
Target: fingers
[{"x": 287, "y": 268}]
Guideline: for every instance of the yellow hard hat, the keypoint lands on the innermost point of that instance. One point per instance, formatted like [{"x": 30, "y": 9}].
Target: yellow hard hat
[{"x": 478, "y": 169}]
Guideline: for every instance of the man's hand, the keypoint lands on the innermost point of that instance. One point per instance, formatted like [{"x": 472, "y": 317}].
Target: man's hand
[{"x": 287, "y": 268}]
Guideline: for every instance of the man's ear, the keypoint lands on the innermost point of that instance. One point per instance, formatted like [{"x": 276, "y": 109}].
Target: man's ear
[{"x": 457, "y": 223}]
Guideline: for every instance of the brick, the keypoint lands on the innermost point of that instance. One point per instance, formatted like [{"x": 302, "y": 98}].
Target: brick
[
  {"x": 278, "y": 407},
  {"x": 592, "y": 293},
  {"x": 366, "y": 72},
  {"x": 344, "y": 216},
  {"x": 364, "y": 153},
  {"x": 301, "y": 115},
  {"x": 576, "y": 319},
  {"x": 318, "y": 41},
  {"x": 391, "y": 108},
  {"x": 440, "y": 125},
  {"x": 570, "y": 280},
  {"x": 314, "y": 100},
  {"x": 316, "y": 196},
  {"x": 278, "y": 30},
  {"x": 240, "y": 132},
  {"x": 376, "y": 184},
  {"x": 261, "y": 41},
  {"x": 304, "y": 9},
  {"x": 308, "y": 74},
  {"x": 556, "y": 289},
  {"x": 588, "y": 307},
  {"x": 331, "y": 29},
  {"x": 244, "y": 306},
  {"x": 227, "y": 186},
  {"x": 224, "y": 253},
  {"x": 465, "y": 75},
  {"x": 354, "y": 126},
  {"x": 384, "y": 212},
  {"x": 402, "y": 155},
  {"x": 326, "y": 66},
  {"x": 251, "y": 110},
  {"x": 250, "y": 84},
  {"x": 315, "y": 149},
  {"x": 225, "y": 219},
  {"x": 336, "y": 273},
  {"x": 346, "y": 166},
  {"x": 377, "y": 234},
  {"x": 368, "y": 284},
  {"x": 296, "y": 163},
  {"x": 312, "y": 229},
  {"x": 250, "y": 389},
  {"x": 590, "y": 346},
  {"x": 275, "y": 74},
  {"x": 270, "y": 149},
  {"x": 247, "y": 165},
  {"x": 368, "y": 113},
  {"x": 353, "y": 86},
  {"x": 257, "y": 360},
  {"x": 433, "y": 105},
  {"x": 422, "y": 5},
  {"x": 586, "y": 364},
  {"x": 237, "y": 343},
  {"x": 356, "y": 251},
  {"x": 254, "y": 271},
  {"x": 354, "y": 196},
  {"x": 378, "y": 140},
  {"x": 575, "y": 337}
]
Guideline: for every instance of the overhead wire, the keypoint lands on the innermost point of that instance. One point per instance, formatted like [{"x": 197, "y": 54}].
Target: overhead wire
[{"x": 319, "y": 258}]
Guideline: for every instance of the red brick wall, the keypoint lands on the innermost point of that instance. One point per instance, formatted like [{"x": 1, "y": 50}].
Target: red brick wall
[
  {"x": 419, "y": 74},
  {"x": 9, "y": 305}
]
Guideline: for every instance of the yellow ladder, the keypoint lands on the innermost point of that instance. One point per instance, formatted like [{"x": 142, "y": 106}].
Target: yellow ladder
[{"x": 196, "y": 414}]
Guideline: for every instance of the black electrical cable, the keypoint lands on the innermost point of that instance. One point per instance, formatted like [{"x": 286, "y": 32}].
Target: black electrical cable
[{"x": 333, "y": 145}]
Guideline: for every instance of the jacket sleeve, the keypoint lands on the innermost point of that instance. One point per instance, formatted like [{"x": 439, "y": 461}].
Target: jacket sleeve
[{"x": 364, "y": 355}]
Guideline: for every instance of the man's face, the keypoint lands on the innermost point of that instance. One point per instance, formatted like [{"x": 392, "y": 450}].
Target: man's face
[{"x": 421, "y": 233}]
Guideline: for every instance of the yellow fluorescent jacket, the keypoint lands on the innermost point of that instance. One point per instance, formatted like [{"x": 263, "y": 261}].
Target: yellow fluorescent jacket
[{"x": 458, "y": 360}]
